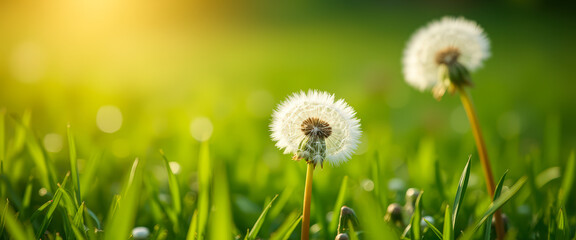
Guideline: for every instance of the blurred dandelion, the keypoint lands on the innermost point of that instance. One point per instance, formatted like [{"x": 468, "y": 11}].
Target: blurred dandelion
[
  {"x": 450, "y": 46},
  {"x": 316, "y": 128},
  {"x": 440, "y": 57}
]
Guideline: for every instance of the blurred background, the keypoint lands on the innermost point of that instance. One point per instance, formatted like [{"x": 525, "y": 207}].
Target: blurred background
[{"x": 132, "y": 77}]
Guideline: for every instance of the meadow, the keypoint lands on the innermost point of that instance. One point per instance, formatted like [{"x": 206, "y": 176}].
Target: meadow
[{"x": 117, "y": 115}]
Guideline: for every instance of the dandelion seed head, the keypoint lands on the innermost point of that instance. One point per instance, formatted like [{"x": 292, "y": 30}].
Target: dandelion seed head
[
  {"x": 443, "y": 42},
  {"x": 318, "y": 116}
]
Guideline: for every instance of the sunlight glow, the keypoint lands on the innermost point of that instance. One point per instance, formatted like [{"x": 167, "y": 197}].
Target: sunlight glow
[
  {"x": 109, "y": 119},
  {"x": 201, "y": 128}
]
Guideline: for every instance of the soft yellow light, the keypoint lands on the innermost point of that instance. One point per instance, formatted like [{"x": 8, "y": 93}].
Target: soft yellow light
[
  {"x": 109, "y": 119},
  {"x": 53, "y": 142},
  {"x": 201, "y": 128}
]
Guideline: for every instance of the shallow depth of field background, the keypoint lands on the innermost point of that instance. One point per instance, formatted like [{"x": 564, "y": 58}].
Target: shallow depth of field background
[{"x": 168, "y": 66}]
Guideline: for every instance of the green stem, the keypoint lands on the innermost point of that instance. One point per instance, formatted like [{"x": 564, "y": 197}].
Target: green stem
[{"x": 307, "y": 202}]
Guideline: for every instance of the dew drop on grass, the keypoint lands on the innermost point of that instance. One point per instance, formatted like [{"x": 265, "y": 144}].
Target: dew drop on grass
[{"x": 109, "y": 119}]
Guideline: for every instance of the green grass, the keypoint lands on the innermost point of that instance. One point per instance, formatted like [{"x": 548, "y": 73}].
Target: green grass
[{"x": 237, "y": 184}]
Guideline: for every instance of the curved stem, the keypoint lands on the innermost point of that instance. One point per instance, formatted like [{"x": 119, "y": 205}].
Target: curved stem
[
  {"x": 483, "y": 153},
  {"x": 307, "y": 202}
]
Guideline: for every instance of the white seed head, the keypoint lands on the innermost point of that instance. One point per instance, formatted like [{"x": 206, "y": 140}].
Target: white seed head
[
  {"x": 447, "y": 40},
  {"x": 333, "y": 121}
]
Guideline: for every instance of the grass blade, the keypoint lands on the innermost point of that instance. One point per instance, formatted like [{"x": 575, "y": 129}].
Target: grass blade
[
  {"x": 256, "y": 228},
  {"x": 567, "y": 180},
  {"x": 52, "y": 209},
  {"x": 122, "y": 222},
  {"x": 497, "y": 191},
  {"x": 504, "y": 197},
  {"x": 462, "y": 185},
  {"x": 40, "y": 161},
  {"x": 416, "y": 218},
  {"x": 286, "y": 228},
  {"x": 563, "y": 228},
  {"x": 173, "y": 184},
  {"x": 221, "y": 220},
  {"x": 2, "y": 220},
  {"x": 339, "y": 203},
  {"x": 74, "y": 166},
  {"x": 2, "y": 139},
  {"x": 204, "y": 182},
  {"x": 15, "y": 228},
  {"x": 448, "y": 225},
  {"x": 434, "y": 229},
  {"x": 192, "y": 229}
]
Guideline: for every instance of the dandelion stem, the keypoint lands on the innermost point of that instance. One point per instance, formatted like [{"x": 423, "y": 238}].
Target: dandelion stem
[
  {"x": 307, "y": 202},
  {"x": 483, "y": 153}
]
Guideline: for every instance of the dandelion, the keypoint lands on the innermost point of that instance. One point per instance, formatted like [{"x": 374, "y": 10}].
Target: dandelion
[
  {"x": 442, "y": 54},
  {"x": 314, "y": 127},
  {"x": 440, "y": 57}
]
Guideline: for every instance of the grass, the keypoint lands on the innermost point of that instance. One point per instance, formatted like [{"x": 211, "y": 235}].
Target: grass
[
  {"x": 206, "y": 201},
  {"x": 237, "y": 185}
]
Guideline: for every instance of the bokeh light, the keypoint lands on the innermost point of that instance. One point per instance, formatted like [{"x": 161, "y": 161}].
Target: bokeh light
[{"x": 109, "y": 119}]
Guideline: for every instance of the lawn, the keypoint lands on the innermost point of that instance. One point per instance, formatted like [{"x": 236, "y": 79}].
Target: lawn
[{"x": 118, "y": 115}]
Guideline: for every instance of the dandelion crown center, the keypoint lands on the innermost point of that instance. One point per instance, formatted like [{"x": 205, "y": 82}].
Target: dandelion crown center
[
  {"x": 447, "y": 55},
  {"x": 315, "y": 127}
]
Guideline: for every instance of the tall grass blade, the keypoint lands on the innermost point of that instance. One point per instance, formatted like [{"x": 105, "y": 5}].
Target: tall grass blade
[
  {"x": 416, "y": 218},
  {"x": 40, "y": 162},
  {"x": 122, "y": 221},
  {"x": 563, "y": 228},
  {"x": 193, "y": 224},
  {"x": 27, "y": 198},
  {"x": 503, "y": 199},
  {"x": 497, "y": 191},
  {"x": 339, "y": 203},
  {"x": 15, "y": 228},
  {"x": 287, "y": 227},
  {"x": 74, "y": 166},
  {"x": 567, "y": 180},
  {"x": 2, "y": 139},
  {"x": 39, "y": 211},
  {"x": 434, "y": 229},
  {"x": 50, "y": 213},
  {"x": 253, "y": 233},
  {"x": 448, "y": 233},
  {"x": 173, "y": 184},
  {"x": 2, "y": 218},
  {"x": 221, "y": 220},
  {"x": 204, "y": 182},
  {"x": 462, "y": 185}
]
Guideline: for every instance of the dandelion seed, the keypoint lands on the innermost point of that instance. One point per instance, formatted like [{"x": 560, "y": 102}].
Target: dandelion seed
[
  {"x": 448, "y": 48},
  {"x": 315, "y": 127}
]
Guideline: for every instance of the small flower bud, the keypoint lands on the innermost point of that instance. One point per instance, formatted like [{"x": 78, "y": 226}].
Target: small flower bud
[
  {"x": 347, "y": 216},
  {"x": 394, "y": 215},
  {"x": 342, "y": 236}
]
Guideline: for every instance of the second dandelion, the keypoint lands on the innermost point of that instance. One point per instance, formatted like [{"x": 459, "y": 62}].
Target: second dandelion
[{"x": 314, "y": 127}]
